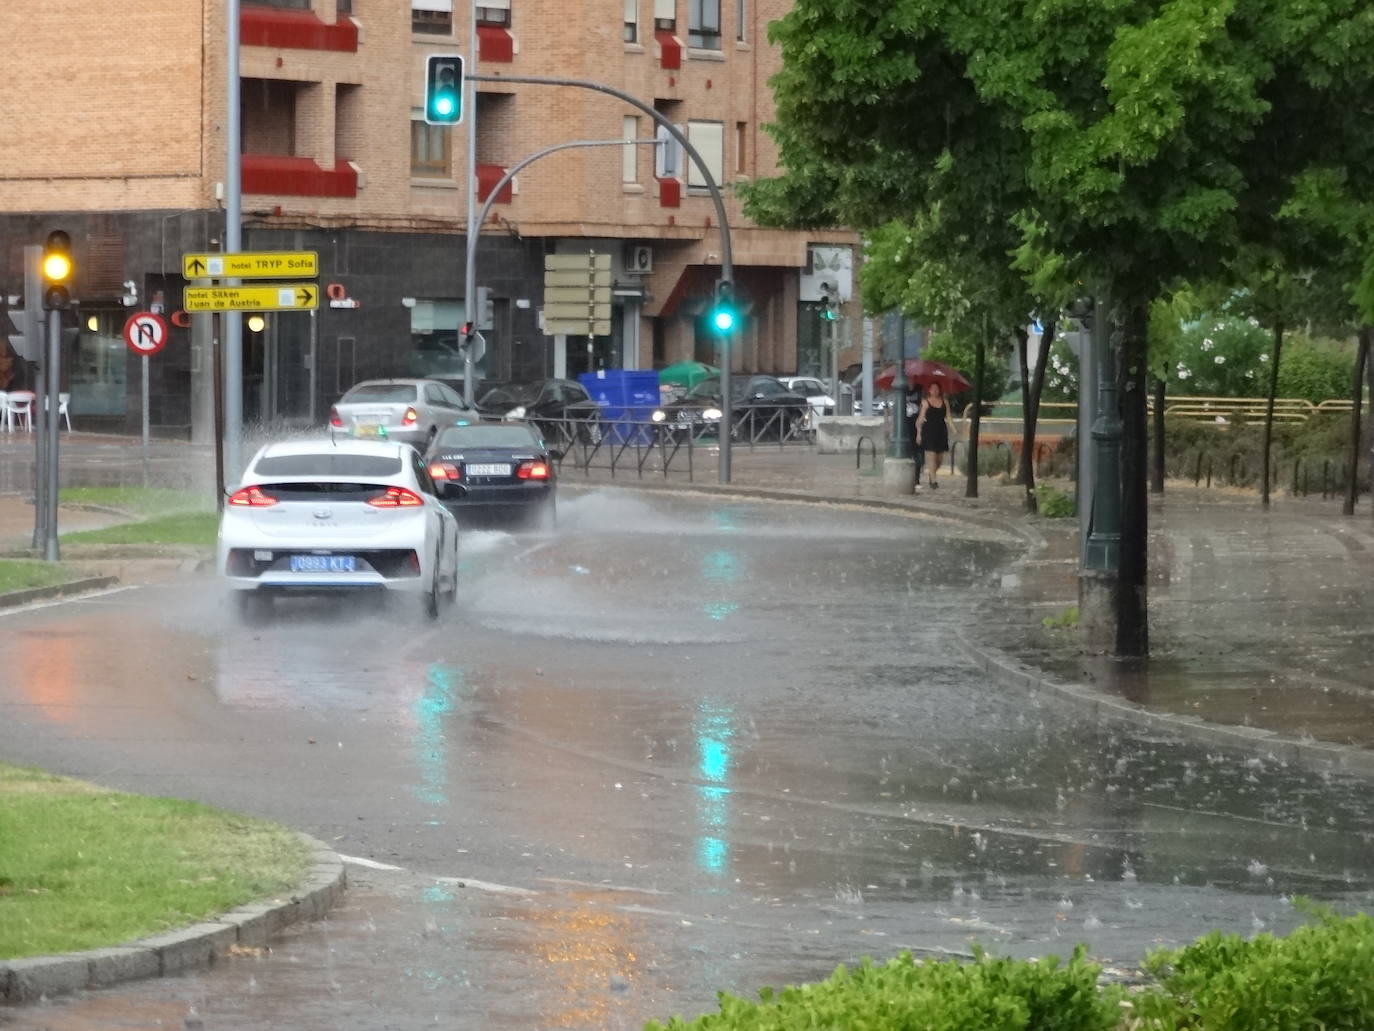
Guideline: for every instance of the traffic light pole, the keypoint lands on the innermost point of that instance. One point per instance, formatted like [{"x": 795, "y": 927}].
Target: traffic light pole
[
  {"x": 50, "y": 414},
  {"x": 727, "y": 263},
  {"x": 231, "y": 322}
]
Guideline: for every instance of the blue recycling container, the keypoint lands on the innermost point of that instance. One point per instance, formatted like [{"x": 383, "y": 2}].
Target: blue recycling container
[{"x": 628, "y": 395}]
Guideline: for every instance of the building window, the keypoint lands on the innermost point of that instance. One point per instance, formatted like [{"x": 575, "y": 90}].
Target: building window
[
  {"x": 299, "y": 5},
  {"x": 343, "y": 6},
  {"x": 665, "y": 15},
  {"x": 740, "y": 137},
  {"x": 629, "y": 154},
  {"x": 431, "y": 150},
  {"x": 741, "y": 20},
  {"x": 431, "y": 17},
  {"x": 703, "y": 24},
  {"x": 631, "y": 21},
  {"x": 709, "y": 140},
  {"x": 494, "y": 13}
]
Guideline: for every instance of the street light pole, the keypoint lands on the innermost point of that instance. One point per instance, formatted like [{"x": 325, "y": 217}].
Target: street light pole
[
  {"x": 232, "y": 321},
  {"x": 474, "y": 225}
]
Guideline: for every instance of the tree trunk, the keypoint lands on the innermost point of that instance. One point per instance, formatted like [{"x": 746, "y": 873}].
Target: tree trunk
[
  {"x": 1269, "y": 412},
  {"x": 1157, "y": 470},
  {"x": 975, "y": 420},
  {"x": 1132, "y": 616},
  {"x": 1025, "y": 470},
  {"x": 1356, "y": 399}
]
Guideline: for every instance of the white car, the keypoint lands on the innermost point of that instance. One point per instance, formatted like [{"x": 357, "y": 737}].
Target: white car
[
  {"x": 330, "y": 516},
  {"x": 817, "y": 395}
]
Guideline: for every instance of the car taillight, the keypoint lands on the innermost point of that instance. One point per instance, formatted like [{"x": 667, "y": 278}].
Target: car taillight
[
  {"x": 445, "y": 471},
  {"x": 396, "y": 497},
  {"x": 251, "y": 497},
  {"x": 335, "y": 419},
  {"x": 411, "y": 417},
  {"x": 532, "y": 471}
]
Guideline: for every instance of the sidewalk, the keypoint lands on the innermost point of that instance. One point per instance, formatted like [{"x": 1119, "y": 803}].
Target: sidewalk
[{"x": 1260, "y": 622}]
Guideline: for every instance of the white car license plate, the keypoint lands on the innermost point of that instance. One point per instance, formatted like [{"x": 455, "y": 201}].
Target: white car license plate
[
  {"x": 488, "y": 470},
  {"x": 323, "y": 564}
]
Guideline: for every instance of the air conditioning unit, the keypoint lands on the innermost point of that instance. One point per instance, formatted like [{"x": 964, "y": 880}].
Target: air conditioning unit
[{"x": 639, "y": 259}]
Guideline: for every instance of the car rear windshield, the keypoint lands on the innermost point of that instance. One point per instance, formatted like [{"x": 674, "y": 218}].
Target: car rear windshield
[
  {"x": 487, "y": 436},
  {"x": 331, "y": 464},
  {"x": 371, "y": 392},
  {"x": 511, "y": 394}
]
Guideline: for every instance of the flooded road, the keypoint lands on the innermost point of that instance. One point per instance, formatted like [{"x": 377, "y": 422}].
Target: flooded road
[{"x": 683, "y": 744}]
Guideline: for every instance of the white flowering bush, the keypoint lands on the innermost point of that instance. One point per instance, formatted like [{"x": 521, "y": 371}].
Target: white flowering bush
[{"x": 1220, "y": 357}]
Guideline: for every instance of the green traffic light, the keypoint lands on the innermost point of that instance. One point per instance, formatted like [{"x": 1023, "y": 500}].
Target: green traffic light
[{"x": 723, "y": 320}]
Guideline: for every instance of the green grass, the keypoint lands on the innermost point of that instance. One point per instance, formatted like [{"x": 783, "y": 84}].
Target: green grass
[
  {"x": 22, "y": 574},
  {"x": 140, "y": 501},
  {"x": 85, "y": 867},
  {"x": 192, "y": 528}
]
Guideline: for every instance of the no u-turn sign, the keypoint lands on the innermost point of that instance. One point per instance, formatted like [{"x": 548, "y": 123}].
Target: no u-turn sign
[{"x": 145, "y": 333}]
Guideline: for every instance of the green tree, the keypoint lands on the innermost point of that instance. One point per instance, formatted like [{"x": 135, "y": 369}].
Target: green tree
[{"x": 1131, "y": 142}]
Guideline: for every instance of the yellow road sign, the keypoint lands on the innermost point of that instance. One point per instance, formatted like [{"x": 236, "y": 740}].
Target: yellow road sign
[
  {"x": 277, "y": 297},
  {"x": 251, "y": 265}
]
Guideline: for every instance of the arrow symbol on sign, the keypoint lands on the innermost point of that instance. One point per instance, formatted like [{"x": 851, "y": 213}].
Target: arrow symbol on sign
[
  {"x": 146, "y": 334},
  {"x": 197, "y": 266},
  {"x": 304, "y": 296}
]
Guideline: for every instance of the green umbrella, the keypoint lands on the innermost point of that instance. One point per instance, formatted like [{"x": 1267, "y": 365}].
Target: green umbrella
[{"x": 686, "y": 374}]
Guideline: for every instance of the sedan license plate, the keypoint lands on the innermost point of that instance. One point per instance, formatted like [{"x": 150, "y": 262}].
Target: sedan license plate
[
  {"x": 323, "y": 564},
  {"x": 369, "y": 429},
  {"x": 488, "y": 470}
]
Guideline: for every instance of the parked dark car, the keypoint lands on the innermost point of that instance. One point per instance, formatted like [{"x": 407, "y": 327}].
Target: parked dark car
[
  {"x": 495, "y": 471},
  {"x": 561, "y": 409},
  {"x": 761, "y": 407}
]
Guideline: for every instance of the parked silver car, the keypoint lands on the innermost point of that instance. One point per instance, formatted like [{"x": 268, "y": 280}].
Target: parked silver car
[{"x": 409, "y": 410}]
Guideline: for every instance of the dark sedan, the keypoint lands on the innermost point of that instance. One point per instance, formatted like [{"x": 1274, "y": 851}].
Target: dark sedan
[
  {"x": 760, "y": 405},
  {"x": 502, "y": 472},
  {"x": 561, "y": 409}
]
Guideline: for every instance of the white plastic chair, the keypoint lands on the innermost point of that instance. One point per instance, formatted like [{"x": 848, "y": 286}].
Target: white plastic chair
[
  {"x": 4, "y": 409},
  {"x": 19, "y": 409},
  {"x": 64, "y": 401}
]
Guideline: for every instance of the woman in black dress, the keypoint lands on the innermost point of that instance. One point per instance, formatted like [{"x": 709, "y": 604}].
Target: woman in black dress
[{"x": 932, "y": 430}]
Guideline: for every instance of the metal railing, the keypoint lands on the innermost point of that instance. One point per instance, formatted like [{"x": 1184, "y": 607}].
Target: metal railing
[{"x": 638, "y": 446}]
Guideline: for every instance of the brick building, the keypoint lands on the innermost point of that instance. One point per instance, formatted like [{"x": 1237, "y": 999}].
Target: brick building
[{"x": 115, "y": 133}]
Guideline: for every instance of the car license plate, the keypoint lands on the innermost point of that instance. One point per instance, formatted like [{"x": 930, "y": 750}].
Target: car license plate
[
  {"x": 323, "y": 564},
  {"x": 488, "y": 470},
  {"x": 368, "y": 429}
]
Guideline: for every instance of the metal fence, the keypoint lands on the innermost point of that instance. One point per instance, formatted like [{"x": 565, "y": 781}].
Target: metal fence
[{"x": 635, "y": 446}]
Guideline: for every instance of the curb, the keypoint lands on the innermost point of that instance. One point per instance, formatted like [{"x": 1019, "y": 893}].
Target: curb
[
  {"x": 90, "y": 583},
  {"x": 992, "y": 522},
  {"x": 1322, "y": 755},
  {"x": 248, "y": 926}
]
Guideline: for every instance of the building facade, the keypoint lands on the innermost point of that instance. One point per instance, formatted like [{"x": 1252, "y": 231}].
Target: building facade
[{"x": 124, "y": 148}]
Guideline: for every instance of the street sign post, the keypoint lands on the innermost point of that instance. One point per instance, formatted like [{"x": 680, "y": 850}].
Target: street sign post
[
  {"x": 252, "y": 265},
  {"x": 276, "y": 297},
  {"x": 577, "y": 294},
  {"x": 146, "y": 334}
]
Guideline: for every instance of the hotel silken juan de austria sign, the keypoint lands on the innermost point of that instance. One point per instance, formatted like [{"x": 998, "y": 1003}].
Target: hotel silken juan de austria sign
[{"x": 252, "y": 265}]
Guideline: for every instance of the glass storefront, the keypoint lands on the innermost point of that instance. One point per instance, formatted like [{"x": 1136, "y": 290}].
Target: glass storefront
[{"x": 97, "y": 370}]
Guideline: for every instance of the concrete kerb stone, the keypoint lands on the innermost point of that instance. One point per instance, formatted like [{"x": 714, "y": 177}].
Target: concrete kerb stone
[
  {"x": 253, "y": 925},
  {"x": 10, "y": 599},
  {"x": 1263, "y": 743}
]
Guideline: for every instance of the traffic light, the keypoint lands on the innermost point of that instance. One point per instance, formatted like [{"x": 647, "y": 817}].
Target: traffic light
[
  {"x": 443, "y": 89},
  {"x": 724, "y": 314},
  {"x": 465, "y": 334},
  {"x": 57, "y": 269},
  {"x": 829, "y": 301}
]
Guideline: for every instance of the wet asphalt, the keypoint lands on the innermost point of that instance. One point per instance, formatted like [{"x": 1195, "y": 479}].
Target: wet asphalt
[{"x": 684, "y": 744}]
